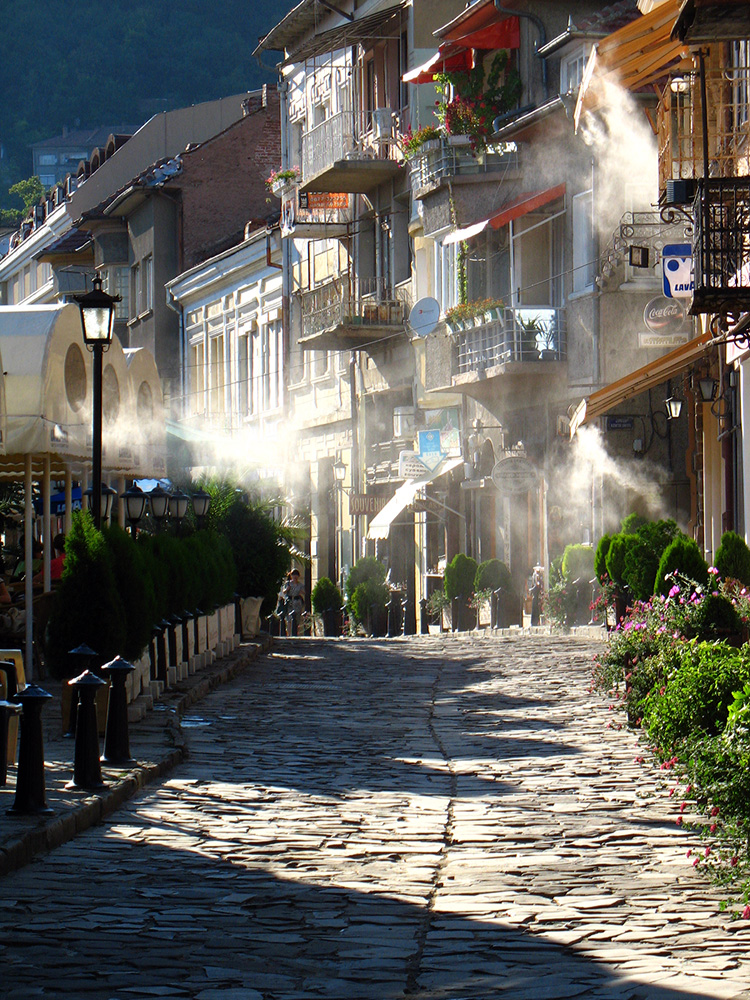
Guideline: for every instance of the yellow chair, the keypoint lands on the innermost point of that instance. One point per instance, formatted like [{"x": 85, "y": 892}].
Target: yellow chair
[{"x": 15, "y": 656}]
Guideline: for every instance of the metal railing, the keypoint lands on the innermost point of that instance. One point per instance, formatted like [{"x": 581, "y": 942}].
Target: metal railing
[
  {"x": 528, "y": 334},
  {"x": 721, "y": 245},
  {"x": 365, "y": 302},
  {"x": 440, "y": 158},
  {"x": 349, "y": 135}
]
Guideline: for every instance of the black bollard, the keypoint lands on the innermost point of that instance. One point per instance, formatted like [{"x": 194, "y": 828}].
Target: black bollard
[
  {"x": 292, "y": 619},
  {"x": 116, "y": 740},
  {"x": 31, "y": 796},
  {"x": 7, "y": 710},
  {"x": 87, "y": 771},
  {"x": 424, "y": 617},
  {"x": 83, "y": 657},
  {"x": 394, "y": 616},
  {"x": 162, "y": 659},
  {"x": 175, "y": 622},
  {"x": 237, "y": 614},
  {"x": 197, "y": 615},
  {"x": 454, "y": 614}
]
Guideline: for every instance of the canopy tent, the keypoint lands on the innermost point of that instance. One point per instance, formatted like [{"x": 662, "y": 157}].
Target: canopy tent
[{"x": 46, "y": 406}]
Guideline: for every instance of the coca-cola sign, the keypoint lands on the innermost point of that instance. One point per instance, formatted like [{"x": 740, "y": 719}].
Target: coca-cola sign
[{"x": 664, "y": 316}]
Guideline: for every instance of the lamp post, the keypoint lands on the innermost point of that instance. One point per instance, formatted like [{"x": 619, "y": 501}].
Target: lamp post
[
  {"x": 106, "y": 499},
  {"x": 201, "y": 506},
  {"x": 178, "y": 505},
  {"x": 135, "y": 506},
  {"x": 158, "y": 500},
  {"x": 339, "y": 474},
  {"x": 97, "y": 322}
]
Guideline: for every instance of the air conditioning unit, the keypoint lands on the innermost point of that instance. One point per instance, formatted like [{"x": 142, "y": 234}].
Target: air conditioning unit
[
  {"x": 680, "y": 191},
  {"x": 563, "y": 426}
]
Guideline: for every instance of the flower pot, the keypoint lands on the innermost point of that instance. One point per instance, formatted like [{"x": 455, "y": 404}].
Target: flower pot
[{"x": 331, "y": 622}]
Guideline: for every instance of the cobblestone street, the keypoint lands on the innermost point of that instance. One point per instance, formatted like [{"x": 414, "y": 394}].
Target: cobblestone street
[{"x": 437, "y": 817}]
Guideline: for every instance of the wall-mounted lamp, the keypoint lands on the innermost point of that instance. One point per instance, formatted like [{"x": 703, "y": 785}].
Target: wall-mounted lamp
[
  {"x": 679, "y": 85},
  {"x": 674, "y": 407},
  {"x": 708, "y": 388},
  {"x": 638, "y": 256},
  {"x": 339, "y": 471}
]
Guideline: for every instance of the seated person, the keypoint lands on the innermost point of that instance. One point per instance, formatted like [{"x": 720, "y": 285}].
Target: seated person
[
  {"x": 36, "y": 560},
  {"x": 57, "y": 564}
]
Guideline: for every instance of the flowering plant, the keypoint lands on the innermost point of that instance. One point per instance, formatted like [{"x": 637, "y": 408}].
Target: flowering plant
[
  {"x": 468, "y": 310},
  {"x": 285, "y": 174},
  {"x": 412, "y": 142}
]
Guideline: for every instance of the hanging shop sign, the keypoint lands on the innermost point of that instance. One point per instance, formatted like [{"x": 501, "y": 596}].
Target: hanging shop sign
[
  {"x": 363, "y": 503},
  {"x": 667, "y": 321},
  {"x": 514, "y": 476}
]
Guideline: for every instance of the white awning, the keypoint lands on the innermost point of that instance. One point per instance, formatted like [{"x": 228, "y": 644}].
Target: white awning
[
  {"x": 380, "y": 525},
  {"x": 459, "y": 235}
]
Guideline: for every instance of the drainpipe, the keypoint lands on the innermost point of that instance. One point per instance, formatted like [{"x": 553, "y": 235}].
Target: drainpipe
[
  {"x": 286, "y": 245},
  {"x": 539, "y": 24}
]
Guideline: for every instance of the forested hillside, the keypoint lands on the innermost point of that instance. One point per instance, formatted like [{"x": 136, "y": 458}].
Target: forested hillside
[{"x": 89, "y": 63}]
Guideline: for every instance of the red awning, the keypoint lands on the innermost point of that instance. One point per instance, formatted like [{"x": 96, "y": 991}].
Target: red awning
[
  {"x": 526, "y": 203},
  {"x": 448, "y": 59},
  {"x": 505, "y": 34}
]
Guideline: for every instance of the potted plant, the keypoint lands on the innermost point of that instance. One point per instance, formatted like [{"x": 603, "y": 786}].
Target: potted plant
[
  {"x": 459, "y": 586},
  {"x": 279, "y": 180},
  {"x": 367, "y": 594},
  {"x": 425, "y": 138},
  {"x": 327, "y": 602}
]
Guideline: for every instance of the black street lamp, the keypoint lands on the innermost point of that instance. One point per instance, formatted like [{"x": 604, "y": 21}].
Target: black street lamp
[
  {"x": 158, "y": 500},
  {"x": 201, "y": 506},
  {"x": 135, "y": 506},
  {"x": 107, "y": 498},
  {"x": 97, "y": 321},
  {"x": 178, "y": 505}
]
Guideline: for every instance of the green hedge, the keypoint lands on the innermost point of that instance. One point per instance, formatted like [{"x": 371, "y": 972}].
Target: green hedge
[{"x": 113, "y": 590}]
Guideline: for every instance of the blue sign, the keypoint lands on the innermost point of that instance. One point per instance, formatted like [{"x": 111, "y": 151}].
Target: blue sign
[
  {"x": 677, "y": 270},
  {"x": 431, "y": 452}
]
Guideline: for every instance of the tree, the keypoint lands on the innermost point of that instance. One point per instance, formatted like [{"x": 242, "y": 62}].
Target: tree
[{"x": 30, "y": 191}]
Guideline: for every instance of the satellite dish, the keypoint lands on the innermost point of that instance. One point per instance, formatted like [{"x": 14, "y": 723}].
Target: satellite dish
[{"x": 424, "y": 316}]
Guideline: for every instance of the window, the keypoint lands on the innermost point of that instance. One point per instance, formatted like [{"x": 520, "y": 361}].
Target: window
[
  {"x": 538, "y": 262},
  {"x": 244, "y": 372},
  {"x": 148, "y": 284},
  {"x": 445, "y": 275},
  {"x": 320, "y": 364},
  {"x": 135, "y": 286},
  {"x": 583, "y": 242},
  {"x": 740, "y": 74},
  {"x": 403, "y": 67},
  {"x": 197, "y": 378},
  {"x": 48, "y": 180},
  {"x": 47, "y": 159},
  {"x": 571, "y": 70},
  {"x": 117, "y": 282},
  {"x": 216, "y": 376}
]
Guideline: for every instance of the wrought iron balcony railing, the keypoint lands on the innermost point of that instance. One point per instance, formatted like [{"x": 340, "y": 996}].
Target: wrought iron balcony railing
[
  {"x": 441, "y": 158},
  {"x": 721, "y": 246},
  {"x": 349, "y": 135},
  {"x": 346, "y": 302},
  {"x": 529, "y": 334}
]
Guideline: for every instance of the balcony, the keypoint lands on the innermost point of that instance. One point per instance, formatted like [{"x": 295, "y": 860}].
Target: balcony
[
  {"x": 439, "y": 159},
  {"x": 528, "y": 342},
  {"x": 351, "y": 152},
  {"x": 348, "y": 314},
  {"x": 721, "y": 246}
]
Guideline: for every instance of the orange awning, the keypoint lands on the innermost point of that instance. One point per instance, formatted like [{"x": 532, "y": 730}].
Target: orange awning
[
  {"x": 522, "y": 205},
  {"x": 477, "y": 18},
  {"x": 448, "y": 58},
  {"x": 654, "y": 373},
  {"x": 634, "y": 56},
  {"x": 505, "y": 34}
]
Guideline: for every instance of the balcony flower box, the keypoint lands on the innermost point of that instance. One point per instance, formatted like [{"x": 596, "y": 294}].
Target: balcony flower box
[{"x": 279, "y": 182}]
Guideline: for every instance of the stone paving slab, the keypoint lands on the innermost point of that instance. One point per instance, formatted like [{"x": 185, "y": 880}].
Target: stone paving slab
[
  {"x": 434, "y": 819},
  {"x": 156, "y": 744}
]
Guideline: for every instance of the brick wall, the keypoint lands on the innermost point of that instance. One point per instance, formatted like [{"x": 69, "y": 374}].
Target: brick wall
[{"x": 223, "y": 181}]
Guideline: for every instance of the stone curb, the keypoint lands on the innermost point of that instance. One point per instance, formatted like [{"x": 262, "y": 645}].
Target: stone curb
[{"x": 58, "y": 830}]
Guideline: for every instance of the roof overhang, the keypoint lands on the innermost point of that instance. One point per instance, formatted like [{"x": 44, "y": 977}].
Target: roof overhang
[
  {"x": 650, "y": 375},
  {"x": 295, "y": 40},
  {"x": 636, "y": 55},
  {"x": 706, "y": 21}
]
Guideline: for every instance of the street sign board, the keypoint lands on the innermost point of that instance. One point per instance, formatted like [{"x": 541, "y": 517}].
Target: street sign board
[
  {"x": 431, "y": 451},
  {"x": 410, "y": 465},
  {"x": 365, "y": 503},
  {"x": 677, "y": 270},
  {"x": 514, "y": 476}
]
